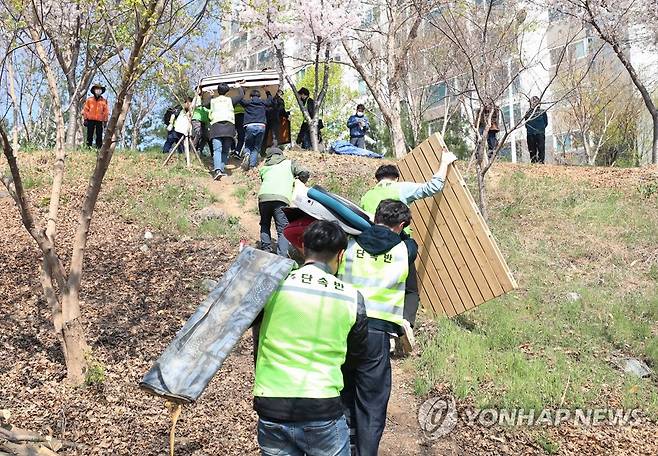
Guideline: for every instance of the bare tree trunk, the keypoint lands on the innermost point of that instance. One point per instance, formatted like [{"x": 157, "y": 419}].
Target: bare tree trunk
[
  {"x": 644, "y": 92},
  {"x": 397, "y": 133},
  {"x": 14, "y": 101},
  {"x": 482, "y": 189}
]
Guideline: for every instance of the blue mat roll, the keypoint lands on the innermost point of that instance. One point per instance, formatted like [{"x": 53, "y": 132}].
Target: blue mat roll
[{"x": 339, "y": 208}]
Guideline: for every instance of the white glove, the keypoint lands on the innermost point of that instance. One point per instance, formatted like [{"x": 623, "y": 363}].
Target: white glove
[
  {"x": 170, "y": 127},
  {"x": 447, "y": 158}
]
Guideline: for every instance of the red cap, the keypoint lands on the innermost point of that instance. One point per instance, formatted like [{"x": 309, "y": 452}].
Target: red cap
[{"x": 294, "y": 232}]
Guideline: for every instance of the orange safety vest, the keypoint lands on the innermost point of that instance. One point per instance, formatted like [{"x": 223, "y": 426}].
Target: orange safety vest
[{"x": 96, "y": 109}]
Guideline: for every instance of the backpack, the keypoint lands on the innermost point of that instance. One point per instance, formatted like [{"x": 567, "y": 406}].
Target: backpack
[{"x": 168, "y": 115}]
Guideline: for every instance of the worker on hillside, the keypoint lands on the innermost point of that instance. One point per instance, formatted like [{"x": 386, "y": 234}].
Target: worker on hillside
[
  {"x": 377, "y": 264},
  {"x": 179, "y": 125},
  {"x": 200, "y": 121},
  {"x": 222, "y": 126},
  {"x": 359, "y": 126},
  {"x": 311, "y": 326},
  {"x": 278, "y": 176},
  {"x": 255, "y": 122},
  {"x": 95, "y": 113},
  {"x": 389, "y": 187}
]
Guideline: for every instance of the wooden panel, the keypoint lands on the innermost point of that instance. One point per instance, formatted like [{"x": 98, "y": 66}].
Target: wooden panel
[{"x": 459, "y": 264}]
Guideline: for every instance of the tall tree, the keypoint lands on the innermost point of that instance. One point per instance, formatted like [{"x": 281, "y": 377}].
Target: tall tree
[
  {"x": 379, "y": 50},
  {"x": 623, "y": 24},
  {"x": 317, "y": 27},
  {"x": 144, "y": 24}
]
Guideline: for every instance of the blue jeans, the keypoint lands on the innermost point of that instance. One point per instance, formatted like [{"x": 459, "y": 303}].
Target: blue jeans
[
  {"x": 311, "y": 438},
  {"x": 253, "y": 140},
  {"x": 172, "y": 138},
  {"x": 220, "y": 148}
]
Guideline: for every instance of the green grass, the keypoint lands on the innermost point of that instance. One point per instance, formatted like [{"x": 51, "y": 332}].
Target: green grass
[
  {"x": 242, "y": 194},
  {"x": 536, "y": 348}
]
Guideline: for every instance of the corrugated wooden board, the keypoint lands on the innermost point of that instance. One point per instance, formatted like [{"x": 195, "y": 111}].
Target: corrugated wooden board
[{"x": 459, "y": 264}]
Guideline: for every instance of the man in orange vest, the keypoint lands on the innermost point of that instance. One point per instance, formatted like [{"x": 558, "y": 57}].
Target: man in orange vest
[{"x": 95, "y": 113}]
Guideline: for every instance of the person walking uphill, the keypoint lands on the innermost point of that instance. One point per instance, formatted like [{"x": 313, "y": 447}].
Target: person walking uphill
[
  {"x": 95, "y": 113},
  {"x": 311, "y": 326},
  {"x": 255, "y": 121},
  {"x": 278, "y": 175},
  {"x": 389, "y": 187},
  {"x": 536, "y": 121},
  {"x": 222, "y": 126},
  {"x": 377, "y": 264},
  {"x": 359, "y": 126}
]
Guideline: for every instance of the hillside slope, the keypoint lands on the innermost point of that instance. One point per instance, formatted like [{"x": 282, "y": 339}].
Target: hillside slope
[{"x": 581, "y": 242}]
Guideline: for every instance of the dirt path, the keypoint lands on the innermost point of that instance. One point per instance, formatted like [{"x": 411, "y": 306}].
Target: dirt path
[
  {"x": 402, "y": 434},
  {"x": 246, "y": 210}
]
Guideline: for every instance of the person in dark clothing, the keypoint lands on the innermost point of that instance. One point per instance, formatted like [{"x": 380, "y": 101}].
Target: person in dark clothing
[
  {"x": 274, "y": 113},
  {"x": 482, "y": 120},
  {"x": 239, "y": 129},
  {"x": 536, "y": 121},
  {"x": 304, "y": 136},
  {"x": 255, "y": 121},
  {"x": 359, "y": 126},
  {"x": 377, "y": 263},
  {"x": 311, "y": 326}
]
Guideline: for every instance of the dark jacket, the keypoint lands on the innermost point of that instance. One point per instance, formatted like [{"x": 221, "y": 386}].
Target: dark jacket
[
  {"x": 255, "y": 110},
  {"x": 536, "y": 122},
  {"x": 276, "y": 110},
  {"x": 378, "y": 240},
  {"x": 358, "y": 126},
  {"x": 307, "y": 409}
]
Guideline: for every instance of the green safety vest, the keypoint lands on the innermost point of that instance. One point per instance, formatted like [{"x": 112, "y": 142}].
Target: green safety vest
[
  {"x": 383, "y": 190},
  {"x": 303, "y": 336},
  {"x": 277, "y": 180},
  {"x": 221, "y": 110},
  {"x": 201, "y": 114},
  {"x": 380, "y": 279}
]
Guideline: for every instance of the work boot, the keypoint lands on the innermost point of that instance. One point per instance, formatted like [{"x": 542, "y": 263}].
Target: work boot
[{"x": 245, "y": 162}]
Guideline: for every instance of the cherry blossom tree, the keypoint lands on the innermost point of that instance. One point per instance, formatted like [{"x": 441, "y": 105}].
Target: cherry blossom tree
[
  {"x": 622, "y": 24},
  {"x": 316, "y": 26}
]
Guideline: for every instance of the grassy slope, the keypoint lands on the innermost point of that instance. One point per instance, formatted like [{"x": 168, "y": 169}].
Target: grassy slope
[{"x": 536, "y": 347}]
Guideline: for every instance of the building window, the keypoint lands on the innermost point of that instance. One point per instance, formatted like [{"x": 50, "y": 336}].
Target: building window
[
  {"x": 362, "y": 87},
  {"x": 437, "y": 93},
  {"x": 564, "y": 142},
  {"x": 579, "y": 49}
]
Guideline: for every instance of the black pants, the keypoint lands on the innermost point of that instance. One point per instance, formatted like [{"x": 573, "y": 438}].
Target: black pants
[
  {"x": 273, "y": 210},
  {"x": 366, "y": 393},
  {"x": 239, "y": 128},
  {"x": 537, "y": 147},
  {"x": 411, "y": 296},
  {"x": 95, "y": 126}
]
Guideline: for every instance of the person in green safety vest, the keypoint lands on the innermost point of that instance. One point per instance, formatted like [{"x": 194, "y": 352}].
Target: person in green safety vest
[
  {"x": 377, "y": 263},
  {"x": 311, "y": 326},
  {"x": 389, "y": 187},
  {"x": 200, "y": 121},
  {"x": 278, "y": 176}
]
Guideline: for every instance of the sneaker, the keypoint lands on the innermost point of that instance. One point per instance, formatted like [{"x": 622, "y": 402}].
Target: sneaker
[
  {"x": 245, "y": 162},
  {"x": 407, "y": 340},
  {"x": 218, "y": 175}
]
